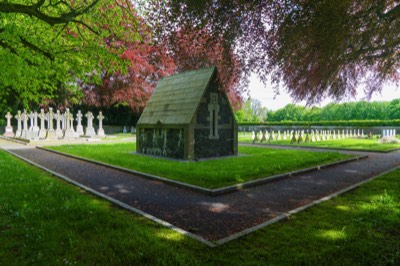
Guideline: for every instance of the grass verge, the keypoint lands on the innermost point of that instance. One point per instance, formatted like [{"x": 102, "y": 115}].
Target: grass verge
[
  {"x": 346, "y": 144},
  {"x": 46, "y": 221},
  {"x": 253, "y": 164}
]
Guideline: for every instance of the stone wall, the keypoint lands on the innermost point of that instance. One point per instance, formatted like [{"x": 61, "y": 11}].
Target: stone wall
[
  {"x": 205, "y": 147},
  {"x": 220, "y": 143},
  {"x": 162, "y": 142}
]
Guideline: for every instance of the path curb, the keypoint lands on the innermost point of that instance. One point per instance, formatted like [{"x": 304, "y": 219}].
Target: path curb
[
  {"x": 286, "y": 215},
  {"x": 118, "y": 203},
  {"x": 16, "y": 140},
  {"x": 313, "y": 147},
  {"x": 281, "y": 216},
  {"x": 212, "y": 192}
]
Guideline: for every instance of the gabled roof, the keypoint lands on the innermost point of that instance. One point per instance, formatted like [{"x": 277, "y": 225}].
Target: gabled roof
[{"x": 175, "y": 99}]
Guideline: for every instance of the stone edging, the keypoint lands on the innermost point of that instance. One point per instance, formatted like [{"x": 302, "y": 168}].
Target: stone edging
[
  {"x": 314, "y": 147},
  {"x": 286, "y": 215},
  {"x": 206, "y": 191},
  {"x": 16, "y": 140},
  {"x": 196, "y": 237},
  {"x": 118, "y": 203}
]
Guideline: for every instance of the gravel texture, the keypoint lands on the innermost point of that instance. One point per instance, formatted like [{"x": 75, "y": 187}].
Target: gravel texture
[{"x": 213, "y": 218}]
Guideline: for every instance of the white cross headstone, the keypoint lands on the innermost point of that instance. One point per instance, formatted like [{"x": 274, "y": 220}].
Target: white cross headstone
[
  {"x": 271, "y": 136},
  {"x": 307, "y": 138},
  {"x": 51, "y": 133},
  {"x": 24, "y": 117},
  {"x": 59, "y": 132},
  {"x": 300, "y": 138},
  {"x": 100, "y": 131},
  {"x": 62, "y": 117},
  {"x": 262, "y": 134},
  {"x": 71, "y": 121},
  {"x": 89, "y": 128},
  {"x": 79, "y": 127},
  {"x": 312, "y": 136},
  {"x": 293, "y": 139},
  {"x": 19, "y": 127},
  {"x": 124, "y": 130},
  {"x": 133, "y": 131},
  {"x": 9, "y": 129},
  {"x": 31, "y": 118},
  {"x": 42, "y": 130},
  {"x": 69, "y": 132},
  {"x": 35, "y": 129}
]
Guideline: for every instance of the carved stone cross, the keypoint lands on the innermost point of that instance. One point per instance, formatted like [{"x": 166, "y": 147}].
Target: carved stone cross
[
  {"x": 100, "y": 131},
  {"x": 9, "y": 129}
]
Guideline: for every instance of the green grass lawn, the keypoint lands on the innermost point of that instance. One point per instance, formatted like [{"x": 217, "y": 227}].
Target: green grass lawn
[
  {"x": 44, "y": 221},
  {"x": 253, "y": 163},
  {"x": 348, "y": 144}
]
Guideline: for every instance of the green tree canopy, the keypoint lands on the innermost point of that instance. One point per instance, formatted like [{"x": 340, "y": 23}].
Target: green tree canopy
[
  {"x": 47, "y": 45},
  {"x": 361, "y": 110}
]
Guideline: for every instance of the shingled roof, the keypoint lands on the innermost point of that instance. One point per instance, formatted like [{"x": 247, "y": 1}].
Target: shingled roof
[{"x": 175, "y": 99}]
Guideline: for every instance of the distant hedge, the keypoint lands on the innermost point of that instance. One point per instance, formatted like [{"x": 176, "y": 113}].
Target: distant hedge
[{"x": 340, "y": 123}]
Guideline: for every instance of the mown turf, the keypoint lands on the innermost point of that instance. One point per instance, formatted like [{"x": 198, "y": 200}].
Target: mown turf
[
  {"x": 347, "y": 144},
  {"x": 253, "y": 163},
  {"x": 44, "y": 221}
]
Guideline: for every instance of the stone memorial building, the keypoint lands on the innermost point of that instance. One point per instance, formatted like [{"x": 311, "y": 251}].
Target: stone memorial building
[{"x": 188, "y": 117}]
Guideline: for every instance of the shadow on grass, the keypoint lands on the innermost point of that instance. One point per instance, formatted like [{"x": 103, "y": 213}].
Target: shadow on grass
[{"x": 45, "y": 221}]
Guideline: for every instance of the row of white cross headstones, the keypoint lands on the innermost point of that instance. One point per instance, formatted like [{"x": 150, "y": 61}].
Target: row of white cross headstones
[
  {"x": 64, "y": 127},
  {"x": 313, "y": 136}
]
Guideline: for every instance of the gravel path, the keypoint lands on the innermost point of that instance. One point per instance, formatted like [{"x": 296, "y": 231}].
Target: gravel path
[{"x": 212, "y": 218}]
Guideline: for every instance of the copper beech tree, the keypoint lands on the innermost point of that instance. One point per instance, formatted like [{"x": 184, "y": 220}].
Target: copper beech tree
[
  {"x": 315, "y": 48},
  {"x": 193, "y": 49},
  {"x": 150, "y": 60}
]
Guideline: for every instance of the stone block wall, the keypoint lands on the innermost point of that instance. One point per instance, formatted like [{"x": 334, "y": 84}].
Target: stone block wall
[
  {"x": 162, "y": 142},
  {"x": 223, "y": 144}
]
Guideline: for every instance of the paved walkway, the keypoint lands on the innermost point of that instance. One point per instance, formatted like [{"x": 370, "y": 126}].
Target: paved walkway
[{"x": 212, "y": 218}]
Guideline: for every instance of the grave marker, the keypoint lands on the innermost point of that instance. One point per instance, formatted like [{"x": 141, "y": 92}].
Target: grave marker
[
  {"x": 79, "y": 127},
  {"x": 59, "y": 133},
  {"x": 19, "y": 128},
  {"x": 89, "y": 128},
  {"x": 24, "y": 117},
  {"x": 9, "y": 129},
  {"x": 51, "y": 133},
  {"x": 42, "y": 130},
  {"x": 69, "y": 132},
  {"x": 100, "y": 131}
]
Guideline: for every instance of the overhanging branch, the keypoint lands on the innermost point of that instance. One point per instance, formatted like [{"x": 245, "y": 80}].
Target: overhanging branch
[
  {"x": 34, "y": 11},
  {"x": 36, "y": 49}
]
